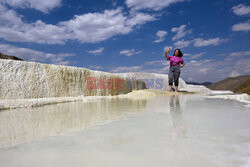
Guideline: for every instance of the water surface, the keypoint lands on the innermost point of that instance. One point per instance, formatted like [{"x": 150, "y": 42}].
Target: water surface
[{"x": 176, "y": 131}]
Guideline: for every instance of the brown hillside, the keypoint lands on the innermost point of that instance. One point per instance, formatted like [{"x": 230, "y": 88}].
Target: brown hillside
[
  {"x": 230, "y": 83},
  {"x": 243, "y": 87},
  {"x": 3, "y": 56}
]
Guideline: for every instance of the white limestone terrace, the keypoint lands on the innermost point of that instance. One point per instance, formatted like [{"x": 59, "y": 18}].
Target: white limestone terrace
[
  {"x": 26, "y": 80},
  {"x": 29, "y": 84}
]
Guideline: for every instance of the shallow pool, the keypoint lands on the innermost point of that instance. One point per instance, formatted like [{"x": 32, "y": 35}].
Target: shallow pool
[{"x": 176, "y": 131}]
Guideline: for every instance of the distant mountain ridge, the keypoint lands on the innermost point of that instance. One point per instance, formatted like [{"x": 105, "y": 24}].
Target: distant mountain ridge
[
  {"x": 3, "y": 56},
  {"x": 203, "y": 83},
  {"x": 239, "y": 84}
]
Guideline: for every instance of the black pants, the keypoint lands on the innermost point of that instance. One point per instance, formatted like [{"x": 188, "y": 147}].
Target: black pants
[{"x": 173, "y": 75}]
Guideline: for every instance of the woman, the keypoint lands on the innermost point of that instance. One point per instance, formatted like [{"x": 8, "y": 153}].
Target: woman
[{"x": 176, "y": 63}]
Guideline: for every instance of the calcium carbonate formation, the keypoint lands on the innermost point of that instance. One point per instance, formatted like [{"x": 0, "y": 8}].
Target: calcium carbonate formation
[{"x": 25, "y": 80}]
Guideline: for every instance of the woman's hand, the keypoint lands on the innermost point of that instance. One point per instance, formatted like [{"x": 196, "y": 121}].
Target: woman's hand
[
  {"x": 166, "y": 53},
  {"x": 168, "y": 50}
]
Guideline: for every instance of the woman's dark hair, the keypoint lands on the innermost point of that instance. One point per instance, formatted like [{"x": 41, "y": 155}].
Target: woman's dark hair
[{"x": 180, "y": 53}]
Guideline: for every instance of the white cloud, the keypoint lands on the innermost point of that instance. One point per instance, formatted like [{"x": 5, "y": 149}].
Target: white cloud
[
  {"x": 242, "y": 26},
  {"x": 35, "y": 56},
  {"x": 203, "y": 70},
  {"x": 215, "y": 70},
  {"x": 180, "y": 32},
  {"x": 161, "y": 36},
  {"x": 194, "y": 56},
  {"x": 95, "y": 27},
  {"x": 238, "y": 54},
  {"x": 234, "y": 74},
  {"x": 130, "y": 52},
  {"x": 126, "y": 69},
  {"x": 182, "y": 43},
  {"x": 95, "y": 67},
  {"x": 150, "y": 4},
  {"x": 137, "y": 18},
  {"x": 97, "y": 51},
  {"x": 13, "y": 28},
  {"x": 241, "y": 10},
  {"x": 156, "y": 62},
  {"x": 198, "y": 42},
  {"x": 40, "y": 5},
  {"x": 90, "y": 27}
]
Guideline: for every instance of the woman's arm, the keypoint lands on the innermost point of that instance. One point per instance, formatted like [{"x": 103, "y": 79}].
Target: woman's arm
[
  {"x": 166, "y": 53},
  {"x": 182, "y": 63}
]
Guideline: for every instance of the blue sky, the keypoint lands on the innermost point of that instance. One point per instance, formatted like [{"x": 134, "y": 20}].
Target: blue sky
[{"x": 131, "y": 35}]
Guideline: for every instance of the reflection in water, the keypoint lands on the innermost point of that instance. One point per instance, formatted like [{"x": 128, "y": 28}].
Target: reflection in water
[
  {"x": 178, "y": 127},
  {"x": 24, "y": 125}
]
